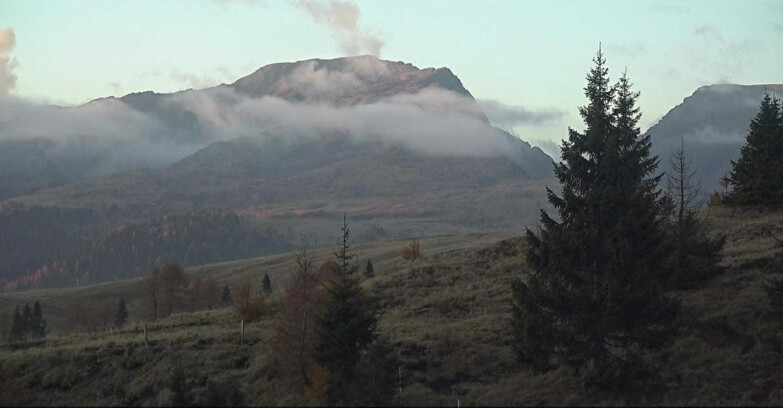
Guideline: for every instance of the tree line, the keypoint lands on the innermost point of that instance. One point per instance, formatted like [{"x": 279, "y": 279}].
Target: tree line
[
  {"x": 129, "y": 251},
  {"x": 28, "y": 324}
]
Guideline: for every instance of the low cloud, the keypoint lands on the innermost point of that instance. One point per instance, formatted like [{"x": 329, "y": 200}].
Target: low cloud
[
  {"x": 7, "y": 64},
  {"x": 548, "y": 146},
  {"x": 342, "y": 19},
  {"x": 510, "y": 116},
  {"x": 321, "y": 82},
  {"x": 193, "y": 81},
  {"x": 116, "y": 137}
]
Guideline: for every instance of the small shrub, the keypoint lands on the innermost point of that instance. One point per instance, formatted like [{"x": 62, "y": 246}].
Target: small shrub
[
  {"x": 248, "y": 306},
  {"x": 412, "y": 252}
]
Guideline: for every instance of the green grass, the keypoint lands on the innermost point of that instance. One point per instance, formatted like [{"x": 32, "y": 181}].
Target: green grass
[{"x": 448, "y": 316}]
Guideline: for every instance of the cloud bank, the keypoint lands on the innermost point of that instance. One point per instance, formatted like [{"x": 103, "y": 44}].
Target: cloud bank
[
  {"x": 342, "y": 19},
  {"x": 508, "y": 116},
  {"x": 113, "y": 136},
  {"x": 7, "y": 64}
]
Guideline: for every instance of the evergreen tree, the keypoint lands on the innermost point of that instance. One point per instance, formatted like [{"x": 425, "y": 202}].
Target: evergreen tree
[
  {"x": 225, "y": 296},
  {"x": 594, "y": 294},
  {"x": 38, "y": 323},
  {"x": 121, "y": 314},
  {"x": 16, "y": 325},
  {"x": 757, "y": 176},
  {"x": 369, "y": 271},
  {"x": 696, "y": 256},
  {"x": 376, "y": 375},
  {"x": 27, "y": 321},
  {"x": 266, "y": 284},
  {"x": 346, "y": 328}
]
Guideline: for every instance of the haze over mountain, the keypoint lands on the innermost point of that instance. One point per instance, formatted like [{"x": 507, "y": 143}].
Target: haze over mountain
[
  {"x": 362, "y": 97},
  {"x": 407, "y": 151},
  {"x": 293, "y": 146},
  {"x": 713, "y": 122}
]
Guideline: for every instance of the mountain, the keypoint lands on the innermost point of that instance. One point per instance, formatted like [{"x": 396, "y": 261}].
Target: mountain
[
  {"x": 289, "y": 148},
  {"x": 24, "y": 168},
  {"x": 713, "y": 121},
  {"x": 345, "y": 81}
]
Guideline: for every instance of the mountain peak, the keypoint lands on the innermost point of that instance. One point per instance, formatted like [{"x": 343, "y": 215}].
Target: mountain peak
[{"x": 345, "y": 80}]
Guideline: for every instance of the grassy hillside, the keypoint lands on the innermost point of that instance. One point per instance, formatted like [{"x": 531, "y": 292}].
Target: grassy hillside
[{"x": 448, "y": 316}]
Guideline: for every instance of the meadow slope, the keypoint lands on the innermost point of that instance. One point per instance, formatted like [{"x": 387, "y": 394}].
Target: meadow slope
[{"x": 448, "y": 316}]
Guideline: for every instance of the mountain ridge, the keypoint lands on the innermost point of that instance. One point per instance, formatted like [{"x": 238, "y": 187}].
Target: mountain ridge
[{"x": 713, "y": 122}]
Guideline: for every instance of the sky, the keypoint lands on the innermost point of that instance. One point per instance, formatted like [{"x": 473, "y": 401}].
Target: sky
[{"x": 530, "y": 56}]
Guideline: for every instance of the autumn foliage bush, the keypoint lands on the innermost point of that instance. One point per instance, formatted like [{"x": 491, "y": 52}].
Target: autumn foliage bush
[
  {"x": 412, "y": 252},
  {"x": 248, "y": 306}
]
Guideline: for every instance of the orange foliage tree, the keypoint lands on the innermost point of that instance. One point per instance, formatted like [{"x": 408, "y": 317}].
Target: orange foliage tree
[
  {"x": 294, "y": 338},
  {"x": 412, "y": 252}
]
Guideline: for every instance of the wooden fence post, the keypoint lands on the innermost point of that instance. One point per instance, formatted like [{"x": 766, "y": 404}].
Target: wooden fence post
[
  {"x": 145, "y": 334},
  {"x": 399, "y": 377},
  {"x": 242, "y": 332}
]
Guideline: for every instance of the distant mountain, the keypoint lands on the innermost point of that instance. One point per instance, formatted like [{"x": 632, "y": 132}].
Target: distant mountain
[
  {"x": 713, "y": 122},
  {"x": 290, "y": 148},
  {"x": 152, "y": 130},
  {"x": 332, "y": 174},
  {"x": 24, "y": 168}
]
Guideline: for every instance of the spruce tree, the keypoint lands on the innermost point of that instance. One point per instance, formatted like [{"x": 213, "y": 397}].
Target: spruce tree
[
  {"x": 266, "y": 284},
  {"x": 346, "y": 328},
  {"x": 225, "y": 296},
  {"x": 369, "y": 271},
  {"x": 16, "y": 325},
  {"x": 593, "y": 293},
  {"x": 377, "y": 375},
  {"x": 38, "y": 324},
  {"x": 27, "y": 321},
  {"x": 121, "y": 314},
  {"x": 757, "y": 176},
  {"x": 696, "y": 256}
]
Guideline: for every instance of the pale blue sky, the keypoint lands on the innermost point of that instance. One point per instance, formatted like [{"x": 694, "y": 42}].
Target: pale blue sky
[{"x": 529, "y": 53}]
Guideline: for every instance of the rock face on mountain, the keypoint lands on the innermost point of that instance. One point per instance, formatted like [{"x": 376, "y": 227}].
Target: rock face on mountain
[
  {"x": 713, "y": 123},
  {"x": 345, "y": 81}
]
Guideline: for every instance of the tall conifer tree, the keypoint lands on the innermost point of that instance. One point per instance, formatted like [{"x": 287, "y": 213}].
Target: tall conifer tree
[
  {"x": 346, "y": 328},
  {"x": 593, "y": 295},
  {"x": 757, "y": 176},
  {"x": 266, "y": 284},
  {"x": 38, "y": 324},
  {"x": 121, "y": 314},
  {"x": 27, "y": 321},
  {"x": 16, "y": 325}
]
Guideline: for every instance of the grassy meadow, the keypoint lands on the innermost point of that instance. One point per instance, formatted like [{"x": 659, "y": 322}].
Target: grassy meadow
[{"x": 448, "y": 316}]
